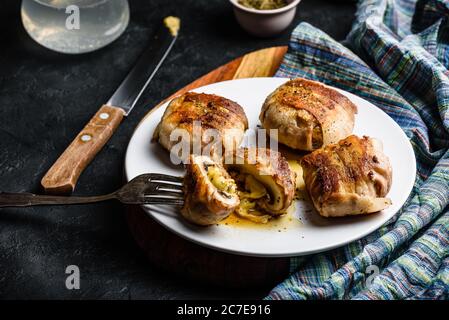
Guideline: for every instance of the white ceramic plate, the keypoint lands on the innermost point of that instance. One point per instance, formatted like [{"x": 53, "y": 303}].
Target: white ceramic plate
[{"x": 303, "y": 231}]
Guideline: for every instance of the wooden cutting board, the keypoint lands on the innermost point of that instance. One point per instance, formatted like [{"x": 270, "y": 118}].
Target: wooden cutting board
[{"x": 187, "y": 259}]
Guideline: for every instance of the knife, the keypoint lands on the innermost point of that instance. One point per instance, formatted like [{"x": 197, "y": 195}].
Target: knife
[{"x": 61, "y": 178}]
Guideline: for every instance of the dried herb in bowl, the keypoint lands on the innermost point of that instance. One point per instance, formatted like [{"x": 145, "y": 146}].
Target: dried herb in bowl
[{"x": 263, "y": 4}]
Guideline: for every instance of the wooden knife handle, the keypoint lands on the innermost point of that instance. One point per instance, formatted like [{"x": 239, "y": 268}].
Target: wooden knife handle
[{"x": 63, "y": 175}]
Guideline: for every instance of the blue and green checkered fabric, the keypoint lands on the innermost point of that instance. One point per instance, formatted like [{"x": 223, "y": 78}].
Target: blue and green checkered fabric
[{"x": 397, "y": 57}]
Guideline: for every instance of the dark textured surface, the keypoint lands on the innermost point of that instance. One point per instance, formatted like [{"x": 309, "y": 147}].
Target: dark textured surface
[{"x": 46, "y": 98}]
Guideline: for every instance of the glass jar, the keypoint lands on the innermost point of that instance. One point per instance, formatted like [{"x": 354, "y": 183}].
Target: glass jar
[{"x": 75, "y": 26}]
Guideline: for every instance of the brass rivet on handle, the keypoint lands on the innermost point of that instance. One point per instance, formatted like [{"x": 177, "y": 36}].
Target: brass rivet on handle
[
  {"x": 104, "y": 115},
  {"x": 86, "y": 137}
]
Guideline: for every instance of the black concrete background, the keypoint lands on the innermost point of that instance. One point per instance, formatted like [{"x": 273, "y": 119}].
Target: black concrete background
[{"x": 46, "y": 98}]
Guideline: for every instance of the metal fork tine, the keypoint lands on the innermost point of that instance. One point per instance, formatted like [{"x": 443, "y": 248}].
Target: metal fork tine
[
  {"x": 164, "y": 192},
  {"x": 154, "y": 195},
  {"x": 164, "y": 203},
  {"x": 168, "y": 186},
  {"x": 165, "y": 177},
  {"x": 152, "y": 188},
  {"x": 168, "y": 201}
]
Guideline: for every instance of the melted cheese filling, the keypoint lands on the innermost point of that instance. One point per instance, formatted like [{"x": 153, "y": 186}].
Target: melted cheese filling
[
  {"x": 224, "y": 185},
  {"x": 306, "y": 120},
  {"x": 296, "y": 168},
  {"x": 252, "y": 192},
  {"x": 254, "y": 189}
]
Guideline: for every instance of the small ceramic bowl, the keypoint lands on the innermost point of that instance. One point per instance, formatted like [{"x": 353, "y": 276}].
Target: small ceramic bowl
[{"x": 265, "y": 23}]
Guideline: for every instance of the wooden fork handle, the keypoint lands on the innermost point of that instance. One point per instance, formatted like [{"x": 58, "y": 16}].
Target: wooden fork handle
[{"x": 63, "y": 175}]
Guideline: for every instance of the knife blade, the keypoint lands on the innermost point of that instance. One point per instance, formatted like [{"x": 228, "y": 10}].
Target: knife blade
[
  {"x": 62, "y": 177},
  {"x": 130, "y": 90}
]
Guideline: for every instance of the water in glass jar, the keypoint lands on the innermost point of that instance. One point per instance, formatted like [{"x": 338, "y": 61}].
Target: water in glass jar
[{"x": 75, "y": 26}]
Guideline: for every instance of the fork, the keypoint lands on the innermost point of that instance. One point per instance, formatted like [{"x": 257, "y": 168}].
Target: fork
[{"x": 150, "y": 188}]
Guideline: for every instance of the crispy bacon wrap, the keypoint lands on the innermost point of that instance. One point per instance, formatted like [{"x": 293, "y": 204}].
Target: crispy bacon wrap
[
  {"x": 350, "y": 177},
  {"x": 308, "y": 114}
]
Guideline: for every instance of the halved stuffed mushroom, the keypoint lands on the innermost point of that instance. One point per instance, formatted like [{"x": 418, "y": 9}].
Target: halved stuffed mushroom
[
  {"x": 265, "y": 182},
  {"x": 210, "y": 194}
]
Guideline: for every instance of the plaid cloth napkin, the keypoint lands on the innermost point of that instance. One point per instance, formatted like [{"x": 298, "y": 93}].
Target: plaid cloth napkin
[{"x": 397, "y": 57}]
